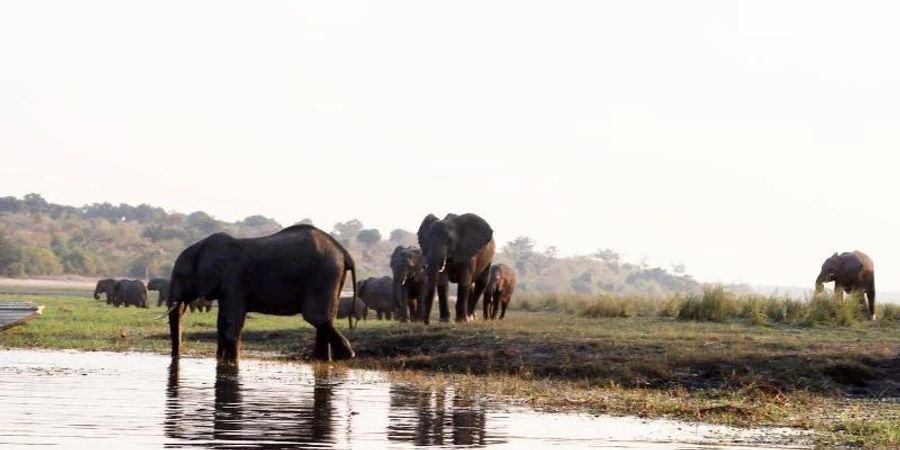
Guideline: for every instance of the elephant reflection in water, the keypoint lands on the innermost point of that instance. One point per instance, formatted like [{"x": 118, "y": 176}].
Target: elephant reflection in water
[
  {"x": 243, "y": 415},
  {"x": 425, "y": 418}
]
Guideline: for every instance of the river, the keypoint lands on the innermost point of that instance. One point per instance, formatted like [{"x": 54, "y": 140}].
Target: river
[{"x": 138, "y": 400}]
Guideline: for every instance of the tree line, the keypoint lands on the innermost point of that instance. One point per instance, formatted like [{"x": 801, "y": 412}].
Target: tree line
[{"x": 39, "y": 238}]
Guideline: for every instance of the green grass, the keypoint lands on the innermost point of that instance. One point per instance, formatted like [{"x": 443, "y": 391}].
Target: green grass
[{"x": 601, "y": 354}]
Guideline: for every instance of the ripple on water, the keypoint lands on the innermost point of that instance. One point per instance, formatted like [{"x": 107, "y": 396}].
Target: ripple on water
[{"x": 129, "y": 400}]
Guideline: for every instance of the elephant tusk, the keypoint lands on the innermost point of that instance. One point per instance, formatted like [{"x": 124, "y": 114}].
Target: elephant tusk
[
  {"x": 166, "y": 314},
  {"x": 443, "y": 266},
  {"x": 403, "y": 283}
]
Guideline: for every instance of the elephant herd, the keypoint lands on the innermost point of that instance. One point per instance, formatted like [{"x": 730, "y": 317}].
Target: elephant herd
[
  {"x": 135, "y": 293},
  {"x": 301, "y": 270}
]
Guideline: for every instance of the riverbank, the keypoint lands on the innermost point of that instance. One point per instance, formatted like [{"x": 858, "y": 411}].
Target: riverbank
[{"x": 833, "y": 380}]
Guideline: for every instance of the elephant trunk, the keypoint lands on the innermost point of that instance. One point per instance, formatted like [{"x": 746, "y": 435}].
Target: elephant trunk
[
  {"x": 431, "y": 286},
  {"x": 400, "y": 302},
  {"x": 820, "y": 283},
  {"x": 175, "y": 329}
]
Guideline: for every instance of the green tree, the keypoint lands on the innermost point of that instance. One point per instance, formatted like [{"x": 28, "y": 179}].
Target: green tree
[
  {"x": 369, "y": 237},
  {"x": 345, "y": 232}
]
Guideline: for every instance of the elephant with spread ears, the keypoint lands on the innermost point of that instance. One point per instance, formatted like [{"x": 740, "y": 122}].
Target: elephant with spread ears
[
  {"x": 850, "y": 271},
  {"x": 298, "y": 270},
  {"x": 410, "y": 282},
  {"x": 458, "y": 249}
]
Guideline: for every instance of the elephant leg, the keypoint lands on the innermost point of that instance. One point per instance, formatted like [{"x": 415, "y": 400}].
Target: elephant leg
[
  {"x": 442, "y": 286},
  {"x": 870, "y": 296},
  {"x": 340, "y": 347},
  {"x": 389, "y": 315},
  {"x": 378, "y": 315},
  {"x": 838, "y": 293},
  {"x": 480, "y": 284},
  {"x": 503, "y": 305},
  {"x": 464, "y": 289},
  {"x": 230, "y": 326},
  {"x": 320, "y": 351}
]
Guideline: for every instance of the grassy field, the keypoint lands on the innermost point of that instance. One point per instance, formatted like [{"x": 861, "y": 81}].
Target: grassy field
[{"x": 745, "y": 362}]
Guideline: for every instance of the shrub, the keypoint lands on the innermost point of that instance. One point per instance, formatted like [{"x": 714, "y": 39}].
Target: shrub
[
  {"x": 890, "y": 313},
  {"x": 714, "y": 306}
]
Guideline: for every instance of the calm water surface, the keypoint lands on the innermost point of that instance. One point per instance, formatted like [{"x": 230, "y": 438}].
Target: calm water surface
[{"x": 131, "y": 400}]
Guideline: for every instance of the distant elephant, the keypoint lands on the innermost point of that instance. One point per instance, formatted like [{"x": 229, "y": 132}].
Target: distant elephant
[
  {"x": 106, "y": 286},
  {"x": 410, "y": 282},
  {"x": 346, "y": 308},
  {"x": 378, "y": 293},
  {"x": 850, "y": 271},
  {"x": 298, "y": 270},
  {"x": 500, "y": 287},
  {"x": 161, "y": 285},
  {"x": 201, "y": 305},
  {"x": 457, "y": 249},
  {"x": 130, "y": 293}
]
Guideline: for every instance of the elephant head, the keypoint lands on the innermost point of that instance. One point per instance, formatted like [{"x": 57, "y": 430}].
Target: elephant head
[
  {"x": 105, "y": 286},
  {"x": 454, "y": 239},
  {"x": 198, "y": 273},
  {"x": 446, "y": 243},
  {"x": 161, "y": 285},
  {"x": 826, "y": 275}
]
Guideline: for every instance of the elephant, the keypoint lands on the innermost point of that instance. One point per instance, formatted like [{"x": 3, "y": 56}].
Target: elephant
[
  {"x": 457, "y": 249},
  {"x": 378, "y": 293},
  {"x": 346, "y": 309},
  {"x": 201, "y": 305},
  {"x": 410, "y": 282},
  {"x": 499, "y": 290},
  {"x": 161, "y": 285},
  {"x": 850, "y": 271},
  {"x": 106, "y": 286},
  {"x": 130, "y": 293},
  {"x": 298, "y": 270}
]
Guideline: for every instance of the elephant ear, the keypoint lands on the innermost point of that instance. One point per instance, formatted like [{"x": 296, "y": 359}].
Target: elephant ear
[
  {"x": 424, "y": 227},
  {"x": 472, "y": 234},
  {"x": 210, "y": 261},
  {"x": 397, "y": 256}
]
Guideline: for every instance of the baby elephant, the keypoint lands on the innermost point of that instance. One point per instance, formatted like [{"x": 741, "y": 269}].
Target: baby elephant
[
  {"x": 499, "y": 290},
  {"x": 345, "y": 308},
  {"x": 378, "y": 293}
]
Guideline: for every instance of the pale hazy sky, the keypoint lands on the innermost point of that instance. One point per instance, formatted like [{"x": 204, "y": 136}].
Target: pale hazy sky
[{"x": 748, "y": 140}]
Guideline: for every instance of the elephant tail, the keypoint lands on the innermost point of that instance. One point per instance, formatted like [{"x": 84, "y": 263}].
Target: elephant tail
[{"x": 350, "y": 265}]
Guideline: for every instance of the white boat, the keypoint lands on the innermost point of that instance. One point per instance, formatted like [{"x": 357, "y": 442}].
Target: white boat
[{"x": 14, "y": 313}]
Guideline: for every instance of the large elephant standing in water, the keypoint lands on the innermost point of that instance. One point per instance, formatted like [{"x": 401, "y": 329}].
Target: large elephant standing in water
[
  {"x": 410, "y": 282},
  {"x": 298, "y": 270},
  {"x": 850, "y": 271},
  {"x": 457, "y": 249}
]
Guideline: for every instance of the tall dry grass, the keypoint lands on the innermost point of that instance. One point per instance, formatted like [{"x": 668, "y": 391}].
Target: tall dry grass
[{"x": 714, "y": 304}]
